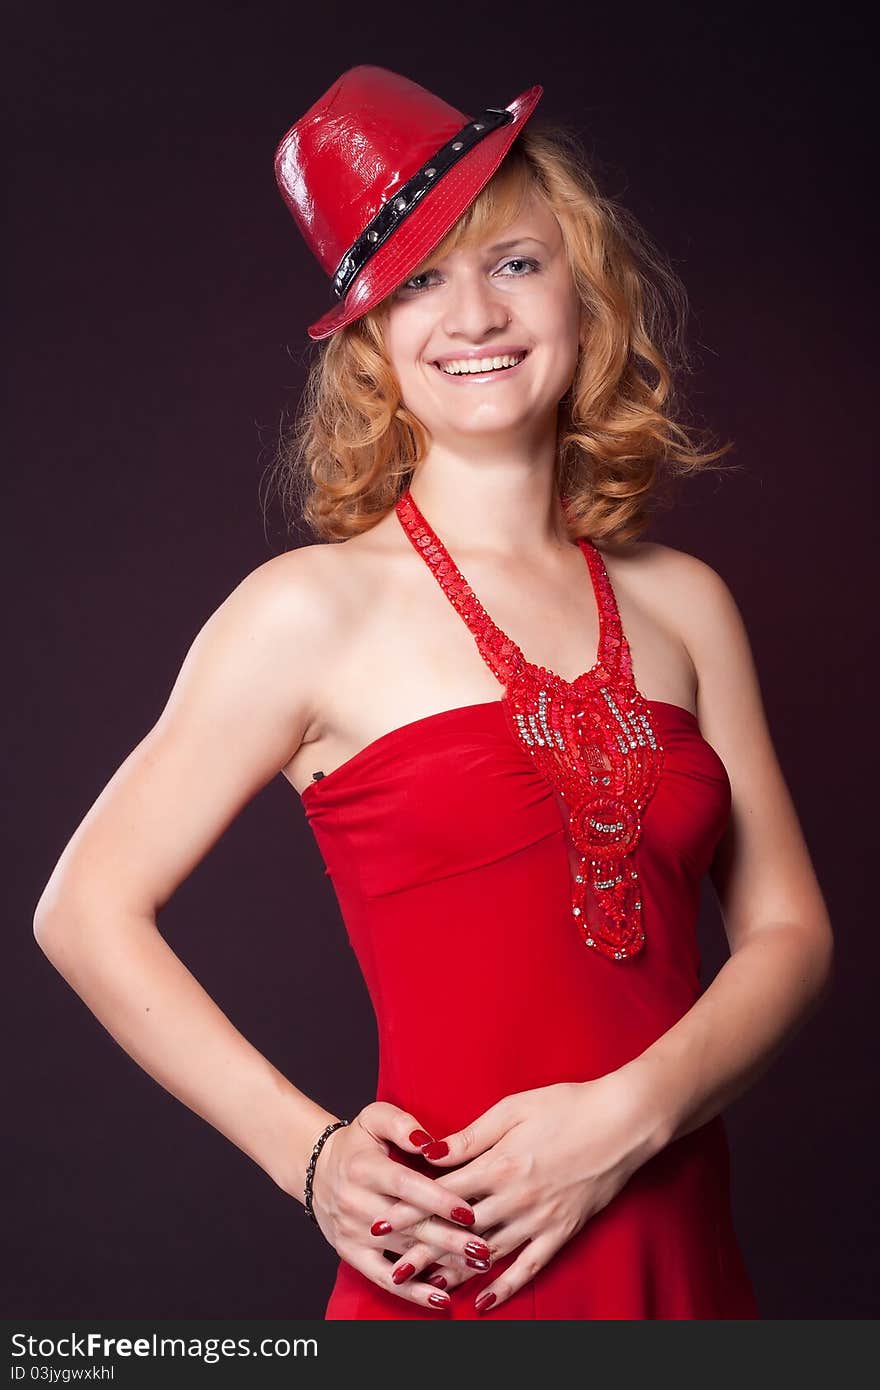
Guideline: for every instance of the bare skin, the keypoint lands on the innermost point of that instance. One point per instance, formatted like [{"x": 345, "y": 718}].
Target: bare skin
[
  {"x": 405, "y": 653},
  {"x": 689, "y": 647},
  {"x": 319, "y": 652},
  {"x": 261, "y": 678}
]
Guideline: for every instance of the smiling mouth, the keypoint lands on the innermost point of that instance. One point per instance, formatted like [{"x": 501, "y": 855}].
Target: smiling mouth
[{"x": 492, "y": 370}]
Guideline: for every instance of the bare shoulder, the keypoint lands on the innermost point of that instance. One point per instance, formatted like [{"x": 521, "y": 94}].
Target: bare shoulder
[
  {"x": 654, "y": 565},
  {"x": 298, "y": 585},
  {"x": 679, "y": 589},
  {"x": 699, "y": 602},
  {"x": 299, "y": 608},
  {"x": 265, "y": 644},
  {"x": 689, "y": 598},
  {"x": 239, "y": 708},
  {"x": 299, "y": 596}
]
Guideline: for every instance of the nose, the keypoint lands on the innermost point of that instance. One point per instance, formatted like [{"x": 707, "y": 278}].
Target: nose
[{"x": 473, "y": 307}]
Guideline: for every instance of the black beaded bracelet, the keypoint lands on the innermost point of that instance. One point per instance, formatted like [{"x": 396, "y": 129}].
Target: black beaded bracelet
[{"x": 310, "y": 1171}]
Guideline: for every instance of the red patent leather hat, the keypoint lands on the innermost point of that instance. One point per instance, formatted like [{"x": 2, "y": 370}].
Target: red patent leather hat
[{"x": 375, "y": 174}]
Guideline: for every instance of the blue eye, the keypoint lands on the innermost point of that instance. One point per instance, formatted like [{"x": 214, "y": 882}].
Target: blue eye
[
  {"x": 523, "y": 260},
  {"x": 412, "y": 287}
]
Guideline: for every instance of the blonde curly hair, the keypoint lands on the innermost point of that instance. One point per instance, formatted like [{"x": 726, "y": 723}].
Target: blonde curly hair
[{"x": 353, "y": 445}]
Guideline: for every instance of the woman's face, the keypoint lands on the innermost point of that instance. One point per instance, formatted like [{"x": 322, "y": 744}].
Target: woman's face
[{"x": 483, "y": 303}]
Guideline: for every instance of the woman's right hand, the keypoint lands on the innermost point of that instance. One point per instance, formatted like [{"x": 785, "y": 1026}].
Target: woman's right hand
[{"x": 353, "y": 1179}]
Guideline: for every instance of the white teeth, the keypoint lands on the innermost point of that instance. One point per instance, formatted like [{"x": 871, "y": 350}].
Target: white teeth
[{"x": 479, "y": 364}]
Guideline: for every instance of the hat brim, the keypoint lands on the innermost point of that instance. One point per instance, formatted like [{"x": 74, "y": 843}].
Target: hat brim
[{"x": 427, "y": 224}]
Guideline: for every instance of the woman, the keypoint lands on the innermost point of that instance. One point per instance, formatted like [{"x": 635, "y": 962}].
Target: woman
[{"x": 517, "y": 848}]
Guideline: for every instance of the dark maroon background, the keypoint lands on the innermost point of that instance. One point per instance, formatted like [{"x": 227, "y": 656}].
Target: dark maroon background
[{"x": 159, "y": 296}]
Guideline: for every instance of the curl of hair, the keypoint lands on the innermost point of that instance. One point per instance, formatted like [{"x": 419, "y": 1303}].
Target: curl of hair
[{"x": 353, "y": 445}]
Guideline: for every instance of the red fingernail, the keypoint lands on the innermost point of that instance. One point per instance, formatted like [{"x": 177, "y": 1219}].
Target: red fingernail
[
  {"x": 477, "y": 1264},
  {"x": 440, "y": 1300},
  {"x": 438, "y": 1280},
  {"x": 436, "y": 1149},
  {"x": 484, "y": 1301},
  {"x": 398, "y": 1275},
  {"x": 478, "y": 1248},
  {"x": 380, "y": 1228},
  {"x": 419, "y": 1137},
  {"x": 464, "y": 1215}
]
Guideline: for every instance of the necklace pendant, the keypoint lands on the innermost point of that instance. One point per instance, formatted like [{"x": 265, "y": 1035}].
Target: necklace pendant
[{"x": 601, "y": 782}]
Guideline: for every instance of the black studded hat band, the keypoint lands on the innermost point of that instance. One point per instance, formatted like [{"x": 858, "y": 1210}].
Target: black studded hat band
[{"x": 391, "y": 214}]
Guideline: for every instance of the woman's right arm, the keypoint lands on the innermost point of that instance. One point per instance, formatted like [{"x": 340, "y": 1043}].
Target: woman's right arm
[
  {"x": 237, "y": 713},
  {"x": 235, "y": 716}
]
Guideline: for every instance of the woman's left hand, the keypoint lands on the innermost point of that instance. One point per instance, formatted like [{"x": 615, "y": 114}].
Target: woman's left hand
[{"x": 536, "y": 1166}]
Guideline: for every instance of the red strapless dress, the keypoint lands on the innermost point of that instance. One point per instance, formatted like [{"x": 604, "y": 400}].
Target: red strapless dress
[{"x": 554, "y": 842}]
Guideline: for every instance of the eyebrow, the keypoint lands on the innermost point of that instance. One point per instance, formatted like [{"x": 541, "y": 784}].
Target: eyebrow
[
  {"x": 506, "y": 245},
  {"x": 517, "y": 241}
]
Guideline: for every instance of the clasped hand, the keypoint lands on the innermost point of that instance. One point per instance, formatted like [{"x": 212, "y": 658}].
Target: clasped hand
[{"x": 529, "y": 1171}]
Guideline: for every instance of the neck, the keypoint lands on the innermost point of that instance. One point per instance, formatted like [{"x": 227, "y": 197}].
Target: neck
[{"x": 492, "y": 508}]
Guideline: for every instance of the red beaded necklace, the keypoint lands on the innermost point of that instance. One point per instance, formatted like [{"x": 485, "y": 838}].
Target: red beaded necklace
[{"x": 592, "y": 738}]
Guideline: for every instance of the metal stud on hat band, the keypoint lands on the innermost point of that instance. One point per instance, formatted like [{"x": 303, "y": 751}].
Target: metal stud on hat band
[{"x": 391, "y": 214}]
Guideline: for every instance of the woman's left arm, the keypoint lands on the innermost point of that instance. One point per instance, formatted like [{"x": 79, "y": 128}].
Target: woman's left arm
[
  {"x": 775, "y": 917},
  {"x": 537, "y": 1164}
]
